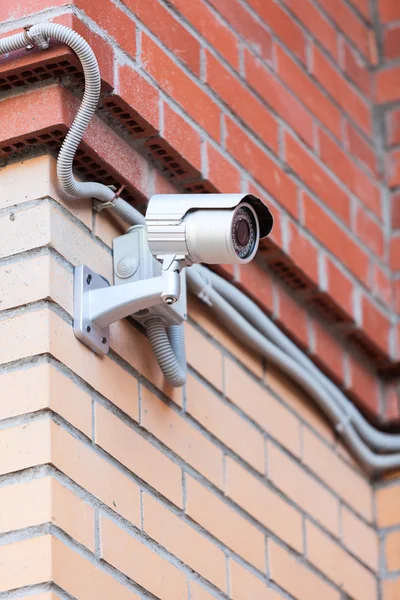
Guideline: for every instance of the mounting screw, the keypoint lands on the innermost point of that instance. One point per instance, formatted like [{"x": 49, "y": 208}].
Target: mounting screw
[
  {"x": 88, "y": 329},
  {"x": 88, "y": 279},
  {"x": 104, "y": 340},
  {"x": 169, "y": 300}
]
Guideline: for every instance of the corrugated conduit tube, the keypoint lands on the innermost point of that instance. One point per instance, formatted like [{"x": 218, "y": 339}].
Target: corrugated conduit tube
[
  {"x": 168, "y": 345},
  {"x": 169, "y": 349},
  {"x": 376, "y": 439},
  {"x": 234, "y": 309},
  {"x": 68, "y": 183},
  {"x": 242, "y": 316}
]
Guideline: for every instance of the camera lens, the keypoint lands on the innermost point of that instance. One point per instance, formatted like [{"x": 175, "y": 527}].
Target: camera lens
[{"x": 244, "y": 231}]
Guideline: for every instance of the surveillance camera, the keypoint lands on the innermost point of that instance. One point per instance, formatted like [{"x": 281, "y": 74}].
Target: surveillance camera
[{"x": 209, "y": 228}]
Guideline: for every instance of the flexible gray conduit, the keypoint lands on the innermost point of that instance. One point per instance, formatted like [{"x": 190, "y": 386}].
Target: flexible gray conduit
[
  {"x": 376, "y": 439},
  {"x": 14, "y": 42},
  {"x": 198, "y": 280},
  {"x": 176, "y": 335},
  {"x": 68, "y": 183},
  {"x": 127, "y": 212},
  {"x": 168, "y": 347}
]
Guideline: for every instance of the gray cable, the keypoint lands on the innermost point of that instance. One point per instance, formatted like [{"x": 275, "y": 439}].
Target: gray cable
[
  {"x": 248, "y": 334},
  {"x": 14, "y": 42},
  {"x": 176, "y": 335},
  {"x": 168, "y": 349},
  {"x": 82, "y": 119},
  {"x": 127, "y": 212},
  {"x": 376, "y": 439}
]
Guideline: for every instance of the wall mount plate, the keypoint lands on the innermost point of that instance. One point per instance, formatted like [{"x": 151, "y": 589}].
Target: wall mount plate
[{"x": 95, "y": 338}]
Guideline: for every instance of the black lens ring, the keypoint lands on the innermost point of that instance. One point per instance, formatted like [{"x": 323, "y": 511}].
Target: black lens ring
[
  {"x": 244, "y": 214},
  {"x": 242, "y": 232}
]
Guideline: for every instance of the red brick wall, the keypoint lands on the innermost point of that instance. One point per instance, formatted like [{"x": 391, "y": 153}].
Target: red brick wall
[{"x": 387, "y": 106}]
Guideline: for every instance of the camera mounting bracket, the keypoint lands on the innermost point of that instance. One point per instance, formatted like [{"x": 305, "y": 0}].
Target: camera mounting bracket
[
  {"x": 97, "y": 304},
  {"x": 133, "y": 261}
]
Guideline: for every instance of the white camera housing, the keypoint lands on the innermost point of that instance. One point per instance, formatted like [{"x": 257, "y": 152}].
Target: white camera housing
[
  {"x": 181, "y": 230},
  {"x": 209, "y": 228}
]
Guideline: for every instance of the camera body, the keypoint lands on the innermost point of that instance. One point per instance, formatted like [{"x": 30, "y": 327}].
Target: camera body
[
  {"x": 209, "y": 228},
  {"x": 148, "y": 260}
]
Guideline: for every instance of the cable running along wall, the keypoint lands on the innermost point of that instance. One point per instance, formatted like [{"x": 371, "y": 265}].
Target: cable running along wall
[{"x": 376, "y": 450}]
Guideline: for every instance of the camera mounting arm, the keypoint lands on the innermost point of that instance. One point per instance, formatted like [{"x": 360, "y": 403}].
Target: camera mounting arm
[{"x": 97, "y": 304}]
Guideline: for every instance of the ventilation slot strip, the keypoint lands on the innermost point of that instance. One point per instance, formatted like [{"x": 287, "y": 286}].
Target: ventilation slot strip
[
  {"x": 86, "y": 165},
  {"x": 171, "y": 162}
]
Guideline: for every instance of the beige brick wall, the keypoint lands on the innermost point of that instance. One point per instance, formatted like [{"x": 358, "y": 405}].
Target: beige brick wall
[
  {"x": 388, "y": 523},
  {"x": 115, "y": 486}
]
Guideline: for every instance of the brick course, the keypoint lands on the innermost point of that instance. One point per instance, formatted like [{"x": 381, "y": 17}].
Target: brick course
[
  {"x": 223, "y": 154},
  {"x": 113, "y": 484},
  {"x": 216, "y": 501}
]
